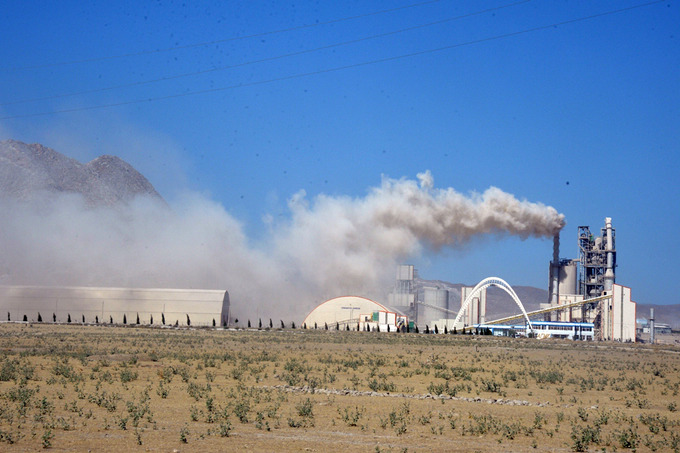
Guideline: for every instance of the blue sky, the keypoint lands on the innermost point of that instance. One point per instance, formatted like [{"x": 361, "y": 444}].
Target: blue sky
[{"x": 574, "y": 104}]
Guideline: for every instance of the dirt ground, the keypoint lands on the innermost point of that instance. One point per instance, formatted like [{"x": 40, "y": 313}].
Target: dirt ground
[{"x": 96, "y": 388}]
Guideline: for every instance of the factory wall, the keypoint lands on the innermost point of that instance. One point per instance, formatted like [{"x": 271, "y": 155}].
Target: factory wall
[
  {"x": 114, "y": 304},
  {"x": 622, "y": 314}
]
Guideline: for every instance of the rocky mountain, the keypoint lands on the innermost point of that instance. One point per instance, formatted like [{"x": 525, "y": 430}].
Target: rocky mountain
[{"x": 27, "y": 170}]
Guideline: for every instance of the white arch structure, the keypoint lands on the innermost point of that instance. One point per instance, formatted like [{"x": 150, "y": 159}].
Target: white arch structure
[{"x": 492, "y": 281}]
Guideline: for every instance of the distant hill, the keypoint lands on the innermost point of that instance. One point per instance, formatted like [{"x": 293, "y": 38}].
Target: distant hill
[
  {"x": 499, "y": 304},
  {"x": 27, "y": 171},
  {"x": 664, "y": 314}
]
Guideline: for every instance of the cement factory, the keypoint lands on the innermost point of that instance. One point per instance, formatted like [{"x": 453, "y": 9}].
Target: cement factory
[{"x": 584, "y": 303}]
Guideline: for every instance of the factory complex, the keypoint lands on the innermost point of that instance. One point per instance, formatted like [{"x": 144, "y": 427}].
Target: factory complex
[{"x": 584, "y": 303}]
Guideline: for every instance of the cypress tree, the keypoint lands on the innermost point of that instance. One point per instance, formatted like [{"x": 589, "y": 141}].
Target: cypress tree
[
  {"x": 283, "y": 326},
  {"x": 110, "y": 319},
  {"x": 249, "y": 323},
  {"x": 388, "y": 328},
  {"x": 213, "y": 322},
  {"x": 124, "y": 319},
  {"x": 25, "y": 318},
  {"x": 446, "y": 330},
  {"x": 69, "y": 318},
  {"x": 314, "y": 326},
  {"x": 137, "y": 318},
  {"x": 436, "y": 330},
  {"x": 357, "y": 327},
  {"x": 325, "y": 325},
  {"x": 96, "y": 319},
  {"x": 163, "y": 318},
  {"x": 337, "y": 326},
  {"x": 304, "y": 326},
  {"x": 83, "y": 319},
  {"x": 151, "y": 320},
  {"x": 292, "y": 325},
  {"x": 54, "y": 317},
  {"x": 417, "y": 330},
  {"x": 259, "y": 325},
  {"x": 347, "y": 328},
  {"x": 188, "y": 320},
  {"x": 271, "y": 324},
  {"x": 455, "y": 332},
  {"x": 427, "y": 328},
  {"x": 39, "y": 317}
]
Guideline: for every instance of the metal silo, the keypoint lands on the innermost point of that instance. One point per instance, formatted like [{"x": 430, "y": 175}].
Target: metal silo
[
  {"x": 568, "y": 277},
  {"x": 434, "y": 305}
]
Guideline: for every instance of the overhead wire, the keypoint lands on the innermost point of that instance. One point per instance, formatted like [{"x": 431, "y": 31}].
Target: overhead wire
[
  {"x": 220, "y": 41},
  {"x": 344, "y": 67},
  {"x": 263, "y": 60}
]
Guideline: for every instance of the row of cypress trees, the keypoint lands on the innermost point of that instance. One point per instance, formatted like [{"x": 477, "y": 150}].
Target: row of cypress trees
[
  {"x": 96, "y": 319},
  {"x": 406, "y": 329}
]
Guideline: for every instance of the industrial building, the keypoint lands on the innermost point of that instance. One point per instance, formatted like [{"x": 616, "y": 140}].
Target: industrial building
[
  {"x": 584, "y": 289},
  {"x": 583, "y": 296},
  {"x": 180, "y": 307},
  {"x": 584, "y": 301},
  {"x": 434, "y": 305},
  {"x": 544, "y": 329}
]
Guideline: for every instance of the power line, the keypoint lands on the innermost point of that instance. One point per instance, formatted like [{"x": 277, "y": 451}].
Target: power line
[
  {"x": 263, "y": 60},
  {"x": 218, "y": 41},
  {"x": 341, "y": 68}
]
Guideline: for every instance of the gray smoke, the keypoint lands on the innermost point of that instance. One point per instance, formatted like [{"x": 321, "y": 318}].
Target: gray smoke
[{"x": 328, "y": 246}]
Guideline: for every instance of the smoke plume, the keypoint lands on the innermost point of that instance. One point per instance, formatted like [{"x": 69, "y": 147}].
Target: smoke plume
[{"x": 327, "y": 246}]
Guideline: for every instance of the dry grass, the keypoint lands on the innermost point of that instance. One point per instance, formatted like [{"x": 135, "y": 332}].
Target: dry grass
[{"x": 114, "y": 388}]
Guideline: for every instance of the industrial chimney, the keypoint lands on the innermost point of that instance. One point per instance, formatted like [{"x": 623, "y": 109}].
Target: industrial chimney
[
  {"x": 609, "y": 248},
  {"x": 555, "y": 271}
]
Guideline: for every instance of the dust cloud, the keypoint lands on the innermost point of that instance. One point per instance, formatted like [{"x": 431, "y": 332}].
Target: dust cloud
[{"x": 326, "y": 247}]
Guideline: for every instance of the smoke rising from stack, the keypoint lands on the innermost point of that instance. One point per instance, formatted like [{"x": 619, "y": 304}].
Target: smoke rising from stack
[{"x": 328, "y": 246}]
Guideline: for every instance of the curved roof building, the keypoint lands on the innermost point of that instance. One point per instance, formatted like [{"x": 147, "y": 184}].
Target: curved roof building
[
  {"x": 353, "y": 310},
  {"x": 197, "y": 307}
]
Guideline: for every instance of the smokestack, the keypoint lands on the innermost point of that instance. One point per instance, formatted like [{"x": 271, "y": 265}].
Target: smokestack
[
  {"x": 555, "y": 271},
  {"x": 609, "y": 247},
  {"x": 651, "y": 325}
]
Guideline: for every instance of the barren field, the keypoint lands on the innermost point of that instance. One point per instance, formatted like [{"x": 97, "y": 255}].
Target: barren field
[{"x": 80, "y": 388}]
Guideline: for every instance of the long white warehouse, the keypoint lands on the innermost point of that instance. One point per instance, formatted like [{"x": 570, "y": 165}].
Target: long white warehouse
[{"x": 196, "y": 307}]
